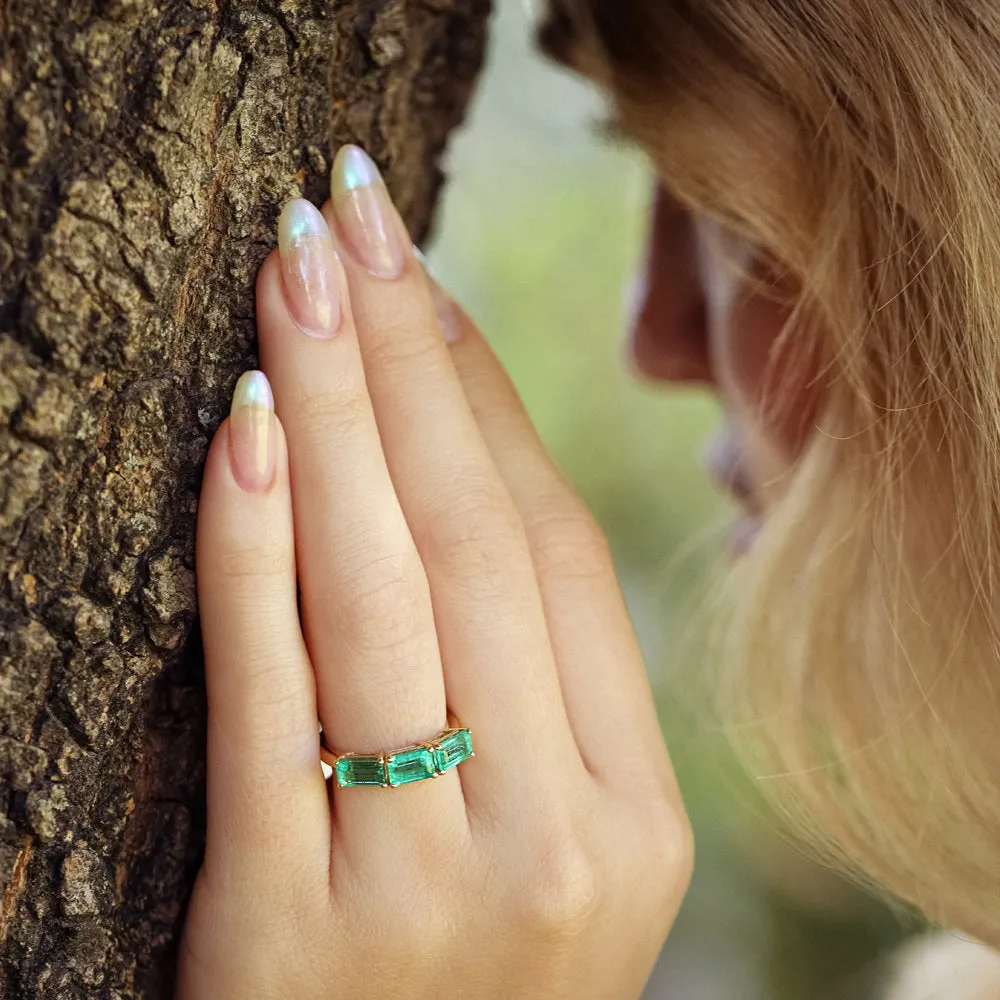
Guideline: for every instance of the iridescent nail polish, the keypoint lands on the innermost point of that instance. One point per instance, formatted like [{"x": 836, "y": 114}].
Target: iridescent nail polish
[
  {"x": 309, "y": 268},
  {"x": 369, "y": 223},
  {"x": 252, "y": 445}
]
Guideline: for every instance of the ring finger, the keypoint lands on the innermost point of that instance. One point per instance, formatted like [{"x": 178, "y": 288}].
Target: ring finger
[{"x": 499, "y": 668}]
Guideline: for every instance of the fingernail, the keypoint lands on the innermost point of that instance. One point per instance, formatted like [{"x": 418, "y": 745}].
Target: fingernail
[
  {"x": 252, "y": 447},
  {"x": 309, "y": 269},
  {"x": 447, "y": 311},
  {"x": 366, "y": 215}
]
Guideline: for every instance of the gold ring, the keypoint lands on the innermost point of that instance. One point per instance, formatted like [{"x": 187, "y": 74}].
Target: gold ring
[{"x": 392, "y": 768}]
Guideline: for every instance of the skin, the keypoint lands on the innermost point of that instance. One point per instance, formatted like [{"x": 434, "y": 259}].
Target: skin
[
  {"x": 698, "y": 320},
  {"x": 444, "y": 564}
]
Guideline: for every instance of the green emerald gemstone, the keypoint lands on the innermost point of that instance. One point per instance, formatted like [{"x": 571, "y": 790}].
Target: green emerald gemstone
[
  {"x": 410, "y": 764},
  {"x": 360, "y": 771},
  {"x": 451, "y": 749}
]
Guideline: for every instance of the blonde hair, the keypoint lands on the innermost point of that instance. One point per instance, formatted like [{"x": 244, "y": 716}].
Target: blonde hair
[{"x": 857, "y": 143}]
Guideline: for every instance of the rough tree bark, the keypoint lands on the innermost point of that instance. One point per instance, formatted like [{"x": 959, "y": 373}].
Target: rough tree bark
[{"x": 145, "y": 149}]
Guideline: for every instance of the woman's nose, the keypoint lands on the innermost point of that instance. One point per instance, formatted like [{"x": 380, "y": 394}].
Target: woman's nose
[{"x": 668, "y": 338}]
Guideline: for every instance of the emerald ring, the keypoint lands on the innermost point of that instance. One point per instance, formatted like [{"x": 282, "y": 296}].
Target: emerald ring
[{"x": 392, "y": 768}]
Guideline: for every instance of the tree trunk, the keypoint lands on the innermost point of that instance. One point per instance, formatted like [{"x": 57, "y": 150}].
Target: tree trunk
[{"x": 145, "y": 149}]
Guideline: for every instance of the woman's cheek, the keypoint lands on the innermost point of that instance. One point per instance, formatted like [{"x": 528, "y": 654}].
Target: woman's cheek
[
  {"x": 767, "y": 372},
  {"x": 769, "y": 366}
]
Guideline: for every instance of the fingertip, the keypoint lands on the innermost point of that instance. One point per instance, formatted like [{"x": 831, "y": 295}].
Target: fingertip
[
  {"x": 301, "y": 296},
  {"x": 273, "y": 318},
  {"x": 246, "y": 575},
  {"x": 262, "y": 747},
  {"x": 244, "y": 538},
  {"x": 217, "y": 480},
  {"x": 246, "y": 477},
  {"x": 451, "y": 318},
  {"x": 217, "y": 459},
  {"x": 330, "y": 215},
  {"x": 269, "y": 290}
]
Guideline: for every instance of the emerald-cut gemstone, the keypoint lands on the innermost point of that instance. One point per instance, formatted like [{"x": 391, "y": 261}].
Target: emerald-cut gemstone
[
  {"x": 451, "y": 749},
  {"x": 410, "y": 764},
  {"x": 360, "y": 770}
]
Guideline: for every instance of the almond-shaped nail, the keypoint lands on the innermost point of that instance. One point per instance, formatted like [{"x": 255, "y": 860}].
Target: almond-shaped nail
[
  {"x": 367, "y": 219},
  {"x": 252, "y": 443},
  {"x": 447, "y": 313},
  {"x": 309, "y": 269}
]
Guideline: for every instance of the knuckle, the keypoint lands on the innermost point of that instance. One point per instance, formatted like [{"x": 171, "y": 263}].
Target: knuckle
[
  {"x": 668, "y": 849},
  {"x": 245, "y": 563},
  {"x": 419, "y": 932},
  {"x": 568, "y": 542},
  {"x": 263, "y": 671},
  {"x": 396, "y": 351},
  {"x": 318, "y": 410},
  {"x": 564, "y": 892},
  {"x": 678, "y": 846},
  {"x": 475, "y": 535},
  {"x": 424, "y": 933},
  {"x": 269, "y": 696},
  {"x": 386, "y": 604}
]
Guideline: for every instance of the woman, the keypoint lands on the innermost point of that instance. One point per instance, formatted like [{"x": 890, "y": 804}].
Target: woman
[{"x": 825, "y": 253}]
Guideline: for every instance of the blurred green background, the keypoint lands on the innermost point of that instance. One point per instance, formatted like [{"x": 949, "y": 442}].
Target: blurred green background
[{"x": 541, "y": 230}]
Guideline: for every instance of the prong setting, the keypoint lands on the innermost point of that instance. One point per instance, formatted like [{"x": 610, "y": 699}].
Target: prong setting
[{"x": 403, "y": 766}]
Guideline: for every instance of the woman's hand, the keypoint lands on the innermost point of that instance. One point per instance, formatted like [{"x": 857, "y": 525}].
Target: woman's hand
[{"x": 444, "y": 565}]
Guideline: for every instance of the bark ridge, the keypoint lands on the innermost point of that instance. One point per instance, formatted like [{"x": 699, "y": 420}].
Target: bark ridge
[{"x": 146, "y": 147}]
